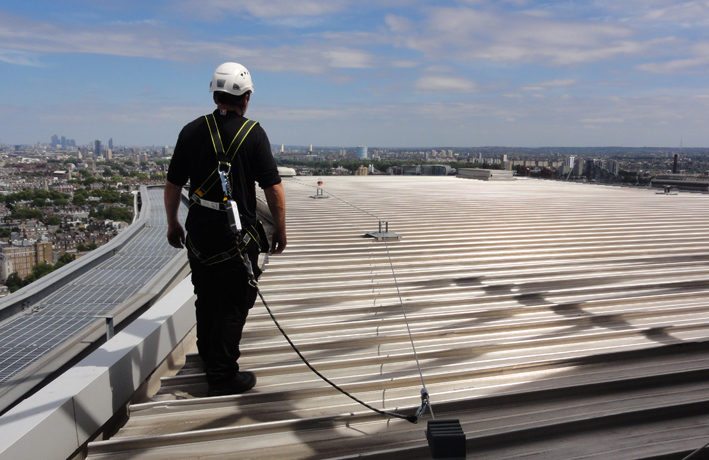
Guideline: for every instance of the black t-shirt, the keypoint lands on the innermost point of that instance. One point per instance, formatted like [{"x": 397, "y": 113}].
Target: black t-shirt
[{"x": 195, "y": 159}]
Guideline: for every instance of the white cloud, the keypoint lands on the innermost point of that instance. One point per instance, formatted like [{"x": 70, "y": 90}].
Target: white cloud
[
  {"x": 468, "y": 34},
  {"x": 674, "y": 66},
  {"x": 603, "y": 120},
  {"x": 549, "y": 84},
  {"x": 445, "y": 84},
  {"x": 559, "y": 83},
  {"x": 398, "y": 24},
  {"x": 685, "y": 14},
  {"x": 348, "y": 58},
  {"x": 299, "y": 115},
  {"x": 22, "y": 40},
  {"x": 19, "y": 58},
  {"x": 211, "y": 9},
  {"x": 404, "y": 64}
]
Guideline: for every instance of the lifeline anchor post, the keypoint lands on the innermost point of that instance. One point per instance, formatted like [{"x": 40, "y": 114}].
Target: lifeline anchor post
[
  {"x": 319, "y": 192},
  {"x": 383, "y": 235},
  {"x": 446, "y": 439}
]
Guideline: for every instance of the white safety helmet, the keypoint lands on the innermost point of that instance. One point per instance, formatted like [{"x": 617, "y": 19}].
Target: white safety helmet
[{"x": 231, "y": 78}]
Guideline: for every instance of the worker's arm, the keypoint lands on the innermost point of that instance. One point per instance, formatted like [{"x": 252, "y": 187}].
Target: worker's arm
[
  {"x": 173, "y": 198},
  {"x": 276, "y": 199}
]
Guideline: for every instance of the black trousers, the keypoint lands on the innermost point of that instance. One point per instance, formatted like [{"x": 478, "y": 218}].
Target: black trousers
[{"x": 224, "y": 298}]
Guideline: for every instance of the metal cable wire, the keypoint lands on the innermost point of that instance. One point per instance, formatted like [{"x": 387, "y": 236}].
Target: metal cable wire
[
  {"x": 424, "y": 391},
  {"x": 406, "y": 321}
]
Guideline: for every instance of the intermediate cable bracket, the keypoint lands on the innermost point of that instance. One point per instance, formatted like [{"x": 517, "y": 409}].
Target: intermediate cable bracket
[{"x": 383, "y": 233}]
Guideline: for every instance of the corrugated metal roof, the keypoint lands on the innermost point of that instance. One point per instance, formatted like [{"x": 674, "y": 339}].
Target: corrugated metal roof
[{"x": 555, "y": 320}]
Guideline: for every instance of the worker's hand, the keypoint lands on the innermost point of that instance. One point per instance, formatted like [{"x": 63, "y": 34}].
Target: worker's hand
[
  {"x": 278, "y": 241},
  {"x": 176, "y": 236}
]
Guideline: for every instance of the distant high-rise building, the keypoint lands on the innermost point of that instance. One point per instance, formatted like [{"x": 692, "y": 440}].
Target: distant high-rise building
[
  {"x": 110, "y": 143},
  {"x": 97, "y": 147},
  {"x": 361, "y": 152},
  {"x": 55, "y": 139},
  {"x": 578, "y": 168},
  {"x": 570, "y": 161},
  {"x": 282, "y": 148}
]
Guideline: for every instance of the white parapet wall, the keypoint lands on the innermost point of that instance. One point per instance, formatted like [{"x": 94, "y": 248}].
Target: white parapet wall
[{"x": 60, "y": 418}]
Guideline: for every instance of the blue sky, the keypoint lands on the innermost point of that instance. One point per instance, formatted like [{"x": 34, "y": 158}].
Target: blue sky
[{"x": 384, "y": 73}]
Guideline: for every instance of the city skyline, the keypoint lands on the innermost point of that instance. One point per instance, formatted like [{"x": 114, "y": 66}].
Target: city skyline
[{"x": 395, "y": 73}]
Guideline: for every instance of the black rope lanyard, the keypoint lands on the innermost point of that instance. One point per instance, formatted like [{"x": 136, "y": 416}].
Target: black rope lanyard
[
  {"x": 424, "y": 393},
  {"x": 410, "y": 418}
]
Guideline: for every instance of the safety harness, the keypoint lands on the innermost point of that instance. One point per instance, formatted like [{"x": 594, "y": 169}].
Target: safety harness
[
  {"x": 242, "y": 238},
  {"x": 222, "y": 174}
]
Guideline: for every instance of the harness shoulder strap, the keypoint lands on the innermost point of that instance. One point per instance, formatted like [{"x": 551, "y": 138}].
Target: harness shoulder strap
[{"x": 223, "y": 159}]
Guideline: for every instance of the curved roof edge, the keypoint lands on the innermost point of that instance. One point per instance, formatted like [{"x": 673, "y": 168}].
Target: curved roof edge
[{"x": 70, "y": 410}]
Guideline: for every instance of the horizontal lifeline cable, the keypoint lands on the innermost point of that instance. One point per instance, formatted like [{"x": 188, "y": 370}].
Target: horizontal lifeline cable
[{"x": 424, "y": 392}]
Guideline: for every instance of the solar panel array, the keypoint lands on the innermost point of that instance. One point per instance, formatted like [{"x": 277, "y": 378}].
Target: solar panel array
[{"x": 28, "y": 336}]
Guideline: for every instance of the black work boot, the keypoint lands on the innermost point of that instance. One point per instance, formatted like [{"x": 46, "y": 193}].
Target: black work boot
[{"x": 243, "y": 381}]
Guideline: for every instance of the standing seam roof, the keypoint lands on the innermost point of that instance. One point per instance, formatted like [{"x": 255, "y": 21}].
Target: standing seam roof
[{"x": 555, "y": 320}]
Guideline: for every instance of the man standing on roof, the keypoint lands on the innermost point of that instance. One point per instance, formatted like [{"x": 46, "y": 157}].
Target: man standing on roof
[{"x": 223, "y": 155}]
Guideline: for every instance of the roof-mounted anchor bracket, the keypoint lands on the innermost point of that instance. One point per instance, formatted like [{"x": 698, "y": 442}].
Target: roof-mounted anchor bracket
[
  {"x": 319, "y": 194},
  {"x": 668, "y": 190},
  {"x": 383, "y": 235},
  {"x": 446, "y": 439}
]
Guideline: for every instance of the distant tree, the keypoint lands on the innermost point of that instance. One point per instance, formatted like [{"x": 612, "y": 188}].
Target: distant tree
[
  {"x": 13, "y": 282},
  {"x": 115, "y": 213},
  {"x": 63, "y": 260},
  {"x": 82, "y": 248},
  {"x": 29, "y": 279},
  {"x": 26, "y": 213},
  {"x": 80, "y": 198},
  {"x": 53, "y": 220},
  {"x": 42, "y": 269},
  {"x": 92, "y": 246}
]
